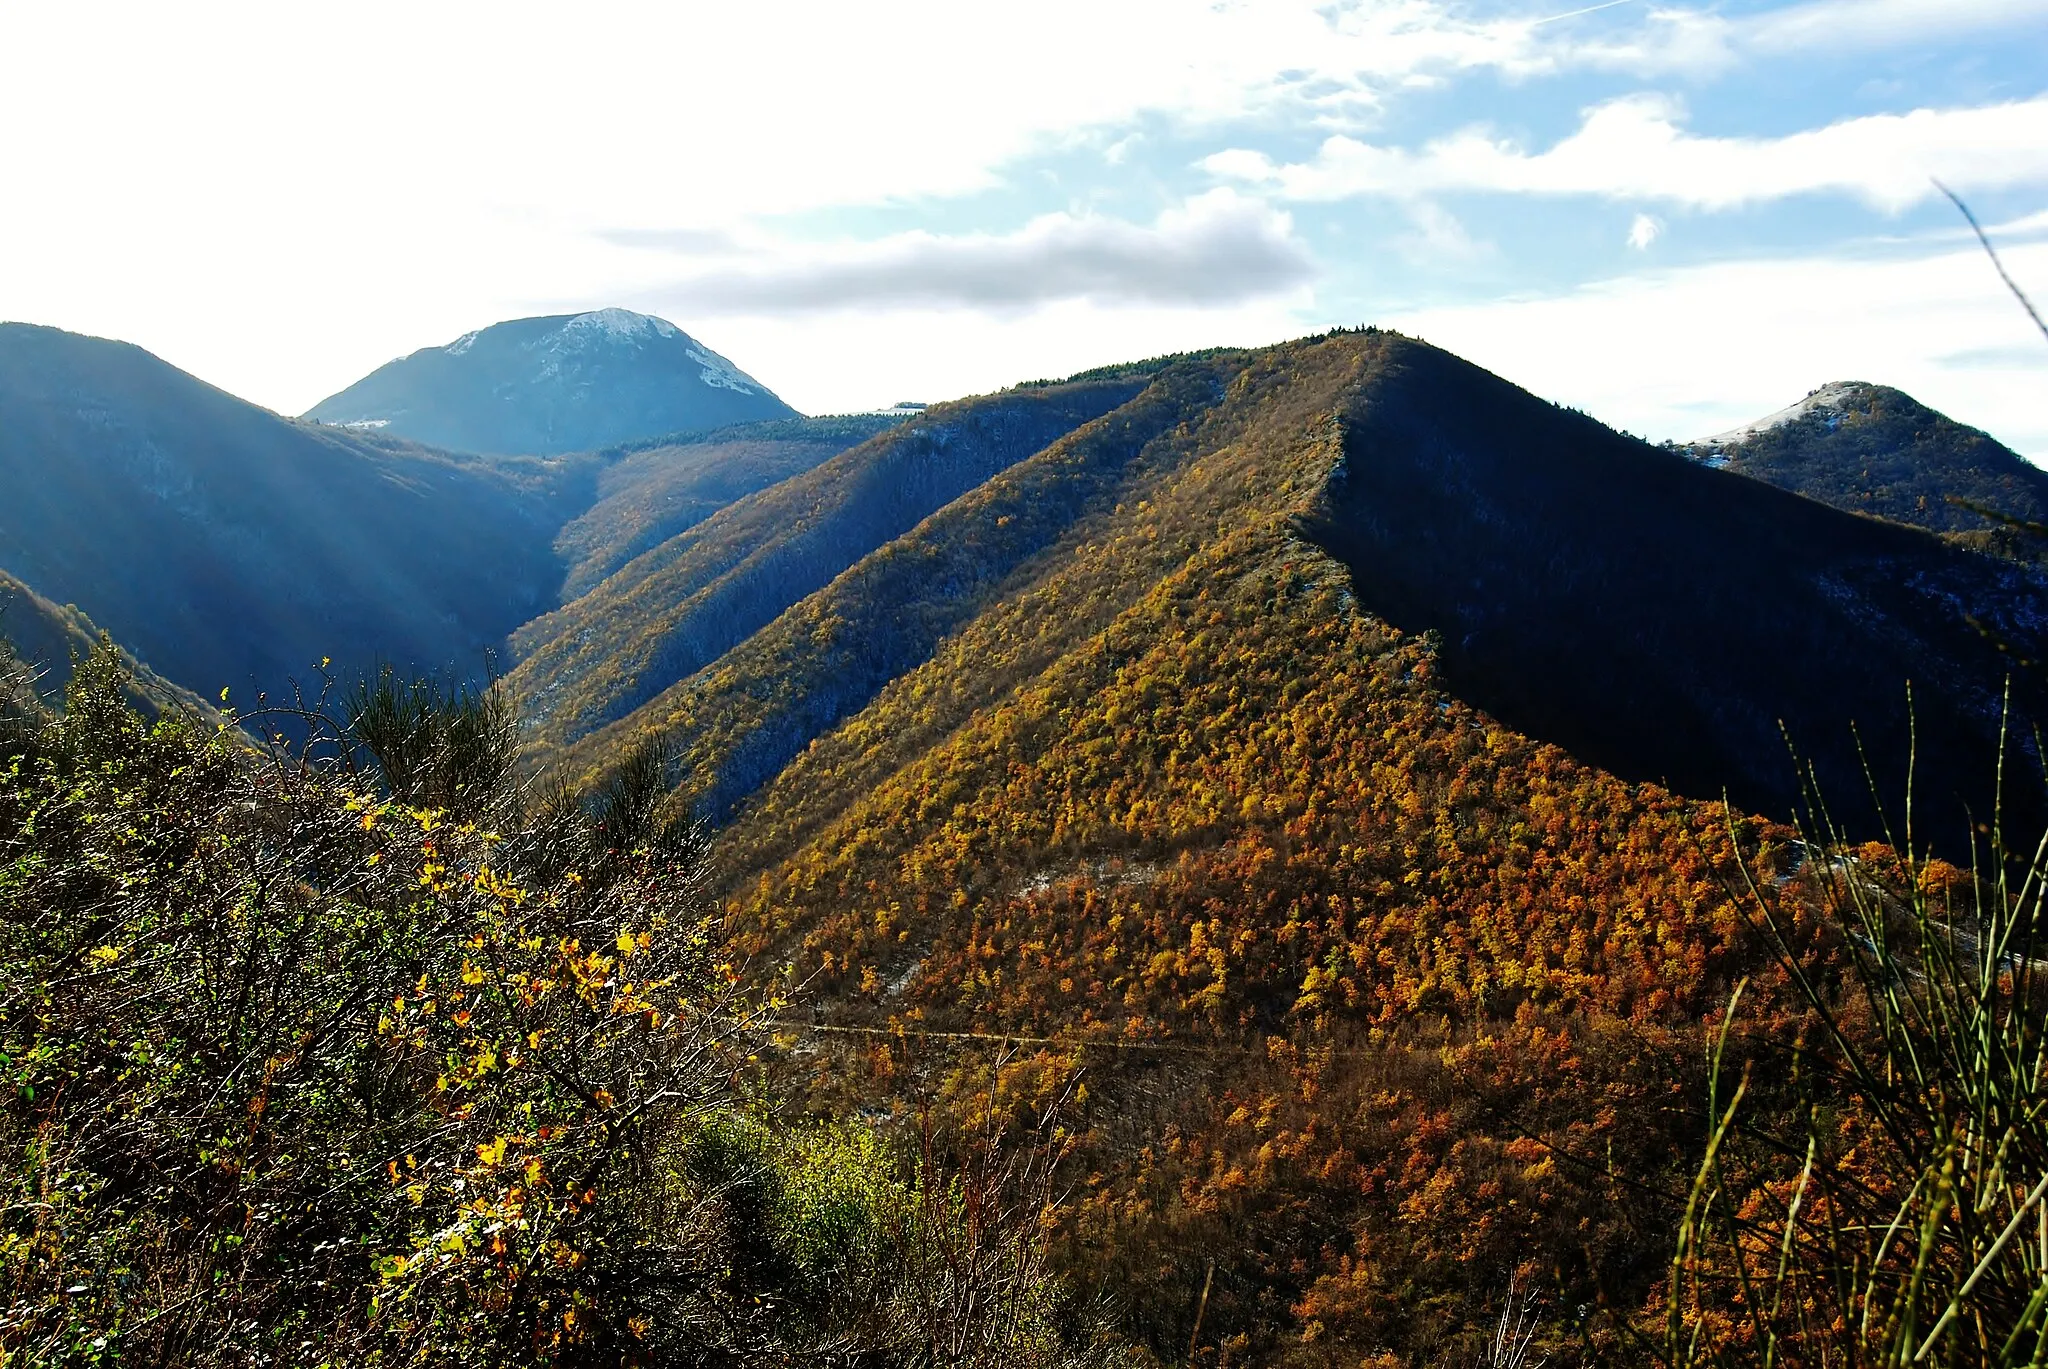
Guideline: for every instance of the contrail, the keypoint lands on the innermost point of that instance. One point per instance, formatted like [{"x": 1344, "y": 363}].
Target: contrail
[{"x": 1573, "y": 14}]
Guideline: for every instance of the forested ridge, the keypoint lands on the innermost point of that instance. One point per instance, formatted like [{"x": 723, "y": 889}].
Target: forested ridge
[
  {"x": 1656, "y": 618},
  {"x": 1191, "y": 764},
  {"x": 675, "y": 609},
  {"x": 1216, "y": 861},
  {"x": 1216, "y": 804},
  {"x": 651, "y": 491}
]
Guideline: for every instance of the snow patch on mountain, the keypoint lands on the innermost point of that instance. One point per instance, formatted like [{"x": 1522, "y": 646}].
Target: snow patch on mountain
[
  {"x": 623, "y": 327},
  {"x": 720, "y": 372},
  {"x": 555, "y": 383},
  {"x": 617, "y": 325},
  {"x": 1828, "y": 399}
]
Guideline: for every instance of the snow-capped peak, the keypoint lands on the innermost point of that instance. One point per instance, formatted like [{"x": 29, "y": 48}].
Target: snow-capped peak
[
  {"x": 1827, "y": 399},
  {"x": 621, "y": 325},
  {"x": 555, "y": 383}
]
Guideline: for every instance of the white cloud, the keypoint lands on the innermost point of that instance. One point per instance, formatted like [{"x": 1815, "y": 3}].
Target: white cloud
[
  {"x": 1645, "y": 230},
  {"x": 1683, "y": 353},
  {"x": 282, "y": 196},
  {"x": 1636, "y": 148},
  {"x": 1437, "y": 237},
  {"x": 1219, "y": 248},
  {"x": 652, "y": 113}
]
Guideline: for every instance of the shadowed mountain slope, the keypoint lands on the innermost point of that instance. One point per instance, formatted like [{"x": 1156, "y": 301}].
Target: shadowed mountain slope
[
  {"x": 1661, "y": 619},
  {"x": 50, "y": 638},
  {"x": 227, "y": 546},
  {"x": 1872, "y": 449},
  {"x": 562, "y": 383},
  {"x": 673, "y": 610},
  {"x": 650, "y": 492}
]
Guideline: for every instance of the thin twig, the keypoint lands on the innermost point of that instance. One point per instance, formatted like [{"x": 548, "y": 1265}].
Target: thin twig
[{"x": 1992, "y": 252}]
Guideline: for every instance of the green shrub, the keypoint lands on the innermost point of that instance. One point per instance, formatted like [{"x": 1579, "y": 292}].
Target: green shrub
[
  {"x": 302, "y": 1073},
  {"x": 296, "y": 1071}
]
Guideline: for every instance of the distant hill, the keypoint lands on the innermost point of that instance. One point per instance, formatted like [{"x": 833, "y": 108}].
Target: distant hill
[
  {"x": 1872, "y": 449},
  {"x": 545, "y": 386},
  {"x": 677, "y": 607},
  {"x": 50, "y": 638},
  {"x": 227, "y": 546},
  {"x": 649, "y": 492}
]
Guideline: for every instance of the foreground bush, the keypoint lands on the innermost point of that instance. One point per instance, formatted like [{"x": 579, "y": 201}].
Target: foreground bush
[{"x": 300, "y": 1073}]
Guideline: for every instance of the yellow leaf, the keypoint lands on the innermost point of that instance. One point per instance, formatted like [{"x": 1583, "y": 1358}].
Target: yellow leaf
[{"x": 106, "y": 954}]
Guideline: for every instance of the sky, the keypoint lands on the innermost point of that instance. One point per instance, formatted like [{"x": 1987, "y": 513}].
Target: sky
[{"x": 1674, "y": 214}]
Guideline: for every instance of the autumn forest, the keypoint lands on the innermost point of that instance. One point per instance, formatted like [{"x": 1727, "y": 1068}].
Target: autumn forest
[{"x": 1308, "y": 856}]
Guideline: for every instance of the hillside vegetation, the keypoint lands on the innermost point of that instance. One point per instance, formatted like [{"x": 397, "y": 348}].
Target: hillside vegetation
[
  {"x": 1176, "y": 788},
  {"x": 1156, "y": 756},
  {"x": 1265, "y": 857},
  {"x": 673, "y": 610},
  {"x": 46, "y": 641},
  {"x": 305, "y": 1068},
  {"x": 649, "y": 492}
]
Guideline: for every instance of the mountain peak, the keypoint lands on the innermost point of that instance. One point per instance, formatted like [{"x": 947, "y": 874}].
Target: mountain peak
[
  {"x": 555, "y": 383},
  {"x": 1831, "y": 398},
  {"x": 1877, "y": 450}
]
